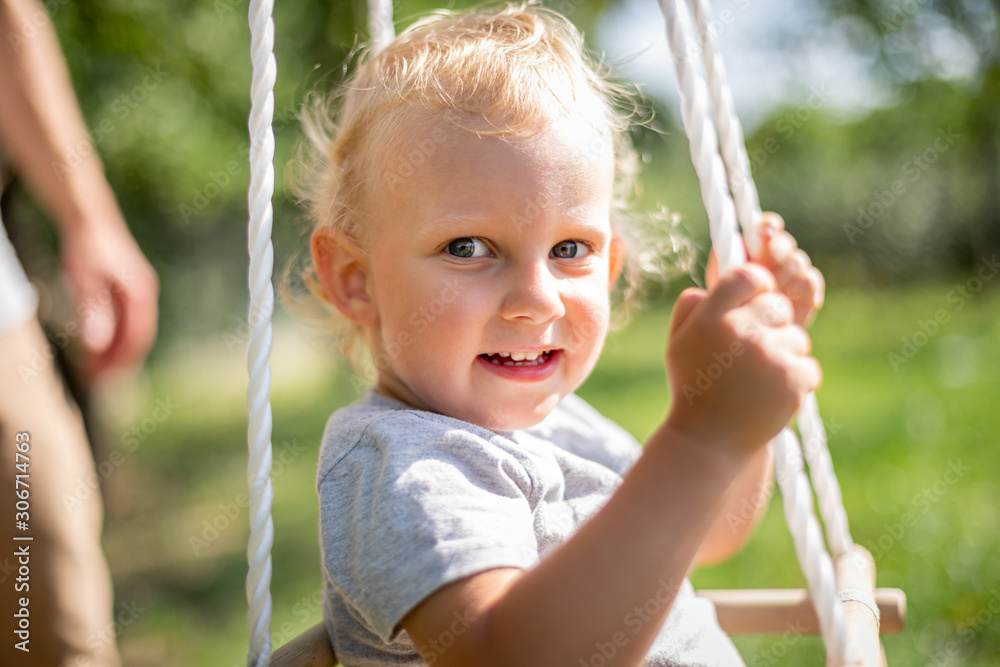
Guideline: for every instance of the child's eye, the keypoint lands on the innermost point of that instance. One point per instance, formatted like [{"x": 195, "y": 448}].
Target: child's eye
[
  {"x": 569, "y": 250},
  {"x": 468, "y": 247}
]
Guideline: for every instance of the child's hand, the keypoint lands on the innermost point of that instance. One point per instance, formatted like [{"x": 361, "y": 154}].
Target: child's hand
[
  {"x": 797, "y": 278},
  {"x": 738, "y": 363}
]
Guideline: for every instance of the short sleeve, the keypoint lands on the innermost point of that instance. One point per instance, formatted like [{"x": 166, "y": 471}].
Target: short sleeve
[{"x": 415, "y": 504}]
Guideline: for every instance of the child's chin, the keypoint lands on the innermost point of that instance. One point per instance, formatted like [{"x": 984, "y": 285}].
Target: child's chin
[{"x": 516, "y": 418}]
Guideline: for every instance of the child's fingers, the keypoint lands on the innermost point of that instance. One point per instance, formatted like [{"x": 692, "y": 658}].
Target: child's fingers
[
  {"x": 772, "y": 309},
  {"x": 793, "y": 339},
  {"x": 770, "y": 224},
  {"x": 796, "y": 264},
  {"x": 777, "y": 249},
  {"x": 686, "y": 302},
  {"x": 738, "y": 287},
  {"x": 806, "y": 372}
]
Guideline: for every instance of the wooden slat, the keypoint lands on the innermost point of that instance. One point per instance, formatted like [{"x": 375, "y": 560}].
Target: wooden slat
[
  {"x": 310, "y": 649},
  {"x": 759, "y": 611},
  {"x": 775, "y": 610}
]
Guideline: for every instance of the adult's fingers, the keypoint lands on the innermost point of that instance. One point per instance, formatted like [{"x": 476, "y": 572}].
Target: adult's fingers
[{"x": 135, "y": 306}]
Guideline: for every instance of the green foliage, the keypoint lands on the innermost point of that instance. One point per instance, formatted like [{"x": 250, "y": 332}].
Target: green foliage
[{"x": 901, "y": 192}]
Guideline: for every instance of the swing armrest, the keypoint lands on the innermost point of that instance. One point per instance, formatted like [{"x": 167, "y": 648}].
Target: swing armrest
[
  {"x": 310, "y": 649},
  {"x": 777, "y": 610},
  {"x": 765, "y": 611},
  {"x": 774, "y": 611}
]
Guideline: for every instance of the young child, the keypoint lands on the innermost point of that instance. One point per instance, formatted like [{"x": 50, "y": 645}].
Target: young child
[{"x": 474, "y": 511}]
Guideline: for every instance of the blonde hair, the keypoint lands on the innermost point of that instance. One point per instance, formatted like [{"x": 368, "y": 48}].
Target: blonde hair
[{"x": 507, "y": 71}]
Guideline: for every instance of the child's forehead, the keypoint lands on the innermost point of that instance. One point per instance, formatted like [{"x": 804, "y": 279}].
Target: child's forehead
[{"x": 413, "y": 135}]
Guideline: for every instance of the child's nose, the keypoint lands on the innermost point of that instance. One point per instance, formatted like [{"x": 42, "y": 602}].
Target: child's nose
[{"x": 532, "y": 293}]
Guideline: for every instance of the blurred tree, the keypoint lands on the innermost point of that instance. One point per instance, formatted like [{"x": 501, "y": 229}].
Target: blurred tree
[{"x": 917, "y": 41}]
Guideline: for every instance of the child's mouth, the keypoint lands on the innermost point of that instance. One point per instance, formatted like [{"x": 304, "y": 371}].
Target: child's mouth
[{"x": 518, "y": 358}]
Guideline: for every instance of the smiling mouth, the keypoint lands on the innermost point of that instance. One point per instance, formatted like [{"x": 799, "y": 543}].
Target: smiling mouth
[{"x": 518, "y": 358}]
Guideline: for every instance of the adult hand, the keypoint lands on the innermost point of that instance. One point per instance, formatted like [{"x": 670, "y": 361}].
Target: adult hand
[{"x": 116, "y": 292}]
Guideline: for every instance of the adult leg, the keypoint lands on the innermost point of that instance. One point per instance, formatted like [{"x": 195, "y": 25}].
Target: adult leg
[{"x": 69, "y": 595}]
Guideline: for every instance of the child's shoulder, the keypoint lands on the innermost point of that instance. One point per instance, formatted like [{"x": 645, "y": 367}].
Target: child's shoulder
[
  {"x": 579, "y": 428},
  {"x": 377, "y": 417},
  {"x": 382, "y": 433}
]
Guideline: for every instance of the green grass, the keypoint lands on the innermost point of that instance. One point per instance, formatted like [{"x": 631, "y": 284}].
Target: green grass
[{"x": 177, "y": 527}]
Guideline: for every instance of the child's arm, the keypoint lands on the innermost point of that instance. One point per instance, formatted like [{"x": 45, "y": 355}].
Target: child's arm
[
  {"x": 638, "y": 548},
  {"x": 803, "y": 284}
]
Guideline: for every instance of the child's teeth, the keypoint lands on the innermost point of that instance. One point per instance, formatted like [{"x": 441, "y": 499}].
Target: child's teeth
[{"x": 518, "y": 358}]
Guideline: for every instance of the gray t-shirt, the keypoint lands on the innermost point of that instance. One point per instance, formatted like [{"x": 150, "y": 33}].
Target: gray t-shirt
[{"x": 412, "y": 500}]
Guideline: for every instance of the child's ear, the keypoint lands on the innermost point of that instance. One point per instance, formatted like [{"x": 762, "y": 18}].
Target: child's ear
[
  {"x": 342, "y": 275},
  {"x": 616, "y": 254}
]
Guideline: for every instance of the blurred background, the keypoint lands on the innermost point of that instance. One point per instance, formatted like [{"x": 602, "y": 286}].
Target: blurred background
[{"x": 873, "y": 128}]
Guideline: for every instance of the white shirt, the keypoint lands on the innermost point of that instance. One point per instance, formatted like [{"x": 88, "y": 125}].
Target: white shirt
[{"x": 18, "y": 299}]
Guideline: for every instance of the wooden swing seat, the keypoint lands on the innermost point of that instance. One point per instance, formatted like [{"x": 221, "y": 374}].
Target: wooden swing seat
[{"x": 760, "y": 611}]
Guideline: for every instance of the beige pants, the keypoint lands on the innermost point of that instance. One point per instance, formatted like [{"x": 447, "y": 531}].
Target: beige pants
[{"x": 62, "y": 583}]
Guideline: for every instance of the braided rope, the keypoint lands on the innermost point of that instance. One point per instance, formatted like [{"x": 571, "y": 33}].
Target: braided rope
[
  {"x": 258, "y": 584},
  {"x": 816, "y": 563},
  {"x": 748, "y": 212},
  {"x": 703, "y": 141},
  {"x": 380, "y": 24},
  {"x": 824, "y": 479},
  {"x": 734, "y": 150}
]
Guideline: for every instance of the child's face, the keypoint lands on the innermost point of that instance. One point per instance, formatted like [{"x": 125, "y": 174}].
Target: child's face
[{"x": 484, "y": 247}]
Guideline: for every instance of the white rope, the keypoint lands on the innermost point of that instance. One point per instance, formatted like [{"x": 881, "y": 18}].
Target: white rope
[
  {"x": 261, "y": 308},
  {"x": 824, "y": 479},
  {"x": 702, "y": 139},
  {"x": 831, "y": 504},
  {"x": 734, "y": 150},
  {"x": 380, "y": 24},
  {"x": 816, "y": 563}
]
